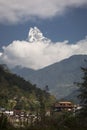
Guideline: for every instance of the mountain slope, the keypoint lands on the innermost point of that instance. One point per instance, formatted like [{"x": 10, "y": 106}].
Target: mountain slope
[
  {"x": 59, "y": 77},
  {"x": 18, "y": 93}
]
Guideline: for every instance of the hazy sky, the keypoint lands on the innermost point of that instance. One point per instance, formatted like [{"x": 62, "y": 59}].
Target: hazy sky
[{"x": 64, "y": 22}]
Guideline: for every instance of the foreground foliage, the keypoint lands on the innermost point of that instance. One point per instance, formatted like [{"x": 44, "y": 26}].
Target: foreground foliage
[
  {"x": 83, "y": 93},
  {"x": 62, "y": 121}
]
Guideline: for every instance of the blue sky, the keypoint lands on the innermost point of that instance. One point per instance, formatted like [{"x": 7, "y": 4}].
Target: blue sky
[
  {"x": 58, "y": 20},
  {"x": 71, "y": 26}
]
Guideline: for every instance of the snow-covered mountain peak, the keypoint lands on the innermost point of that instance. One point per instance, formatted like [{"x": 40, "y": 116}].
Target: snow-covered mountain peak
[{"x": 36, "y": 35}]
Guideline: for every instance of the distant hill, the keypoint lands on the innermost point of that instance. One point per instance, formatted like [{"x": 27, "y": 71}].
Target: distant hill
[
  {"x": 17, "y": 93},
  {"x": 59, "y": 77}
]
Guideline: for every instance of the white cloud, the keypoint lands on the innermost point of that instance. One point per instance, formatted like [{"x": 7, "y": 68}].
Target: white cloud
[
  {"x": 14, "y": 11},
  {"x": 39, "y": 54}
]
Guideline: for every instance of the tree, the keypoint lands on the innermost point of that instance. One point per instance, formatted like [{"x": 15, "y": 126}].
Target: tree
[
  {"x": 11, "y": 104},
  {"x": 83, "y": 94},
  {"x": 46, "y": 88}
]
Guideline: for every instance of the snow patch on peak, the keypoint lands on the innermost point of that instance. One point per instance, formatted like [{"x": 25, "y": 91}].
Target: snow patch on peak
[{"x": 35, "y": 35}]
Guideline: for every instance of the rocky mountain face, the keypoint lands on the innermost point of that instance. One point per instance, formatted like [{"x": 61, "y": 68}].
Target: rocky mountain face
[
  {"x": 35, "y": 35},
  {"x": 60, "y": 77}
]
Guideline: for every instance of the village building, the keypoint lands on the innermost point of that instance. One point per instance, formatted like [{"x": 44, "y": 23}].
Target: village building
[{"x": 63, "y": 106}]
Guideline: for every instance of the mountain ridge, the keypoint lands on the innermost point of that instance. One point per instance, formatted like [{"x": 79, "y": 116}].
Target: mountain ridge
[{"x": 59, "y": 77}]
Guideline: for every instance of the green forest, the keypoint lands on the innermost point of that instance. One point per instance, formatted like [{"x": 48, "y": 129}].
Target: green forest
[{"x": 17, "y": 93}]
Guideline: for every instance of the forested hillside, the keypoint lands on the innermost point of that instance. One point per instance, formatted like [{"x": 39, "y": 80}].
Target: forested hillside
[{"x": 17, "y": 93}]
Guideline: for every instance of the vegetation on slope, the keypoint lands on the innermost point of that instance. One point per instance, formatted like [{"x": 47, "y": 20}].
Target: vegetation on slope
[{"x": 15, "y": 92}]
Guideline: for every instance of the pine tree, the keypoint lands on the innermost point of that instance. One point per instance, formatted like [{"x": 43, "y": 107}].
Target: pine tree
[{"x": 83, "y": 94}]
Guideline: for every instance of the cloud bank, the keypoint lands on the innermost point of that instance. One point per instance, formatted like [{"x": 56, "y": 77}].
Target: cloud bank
[
  {"x": 14, "y": 11},
  {"x": 38, "y": 54}
]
